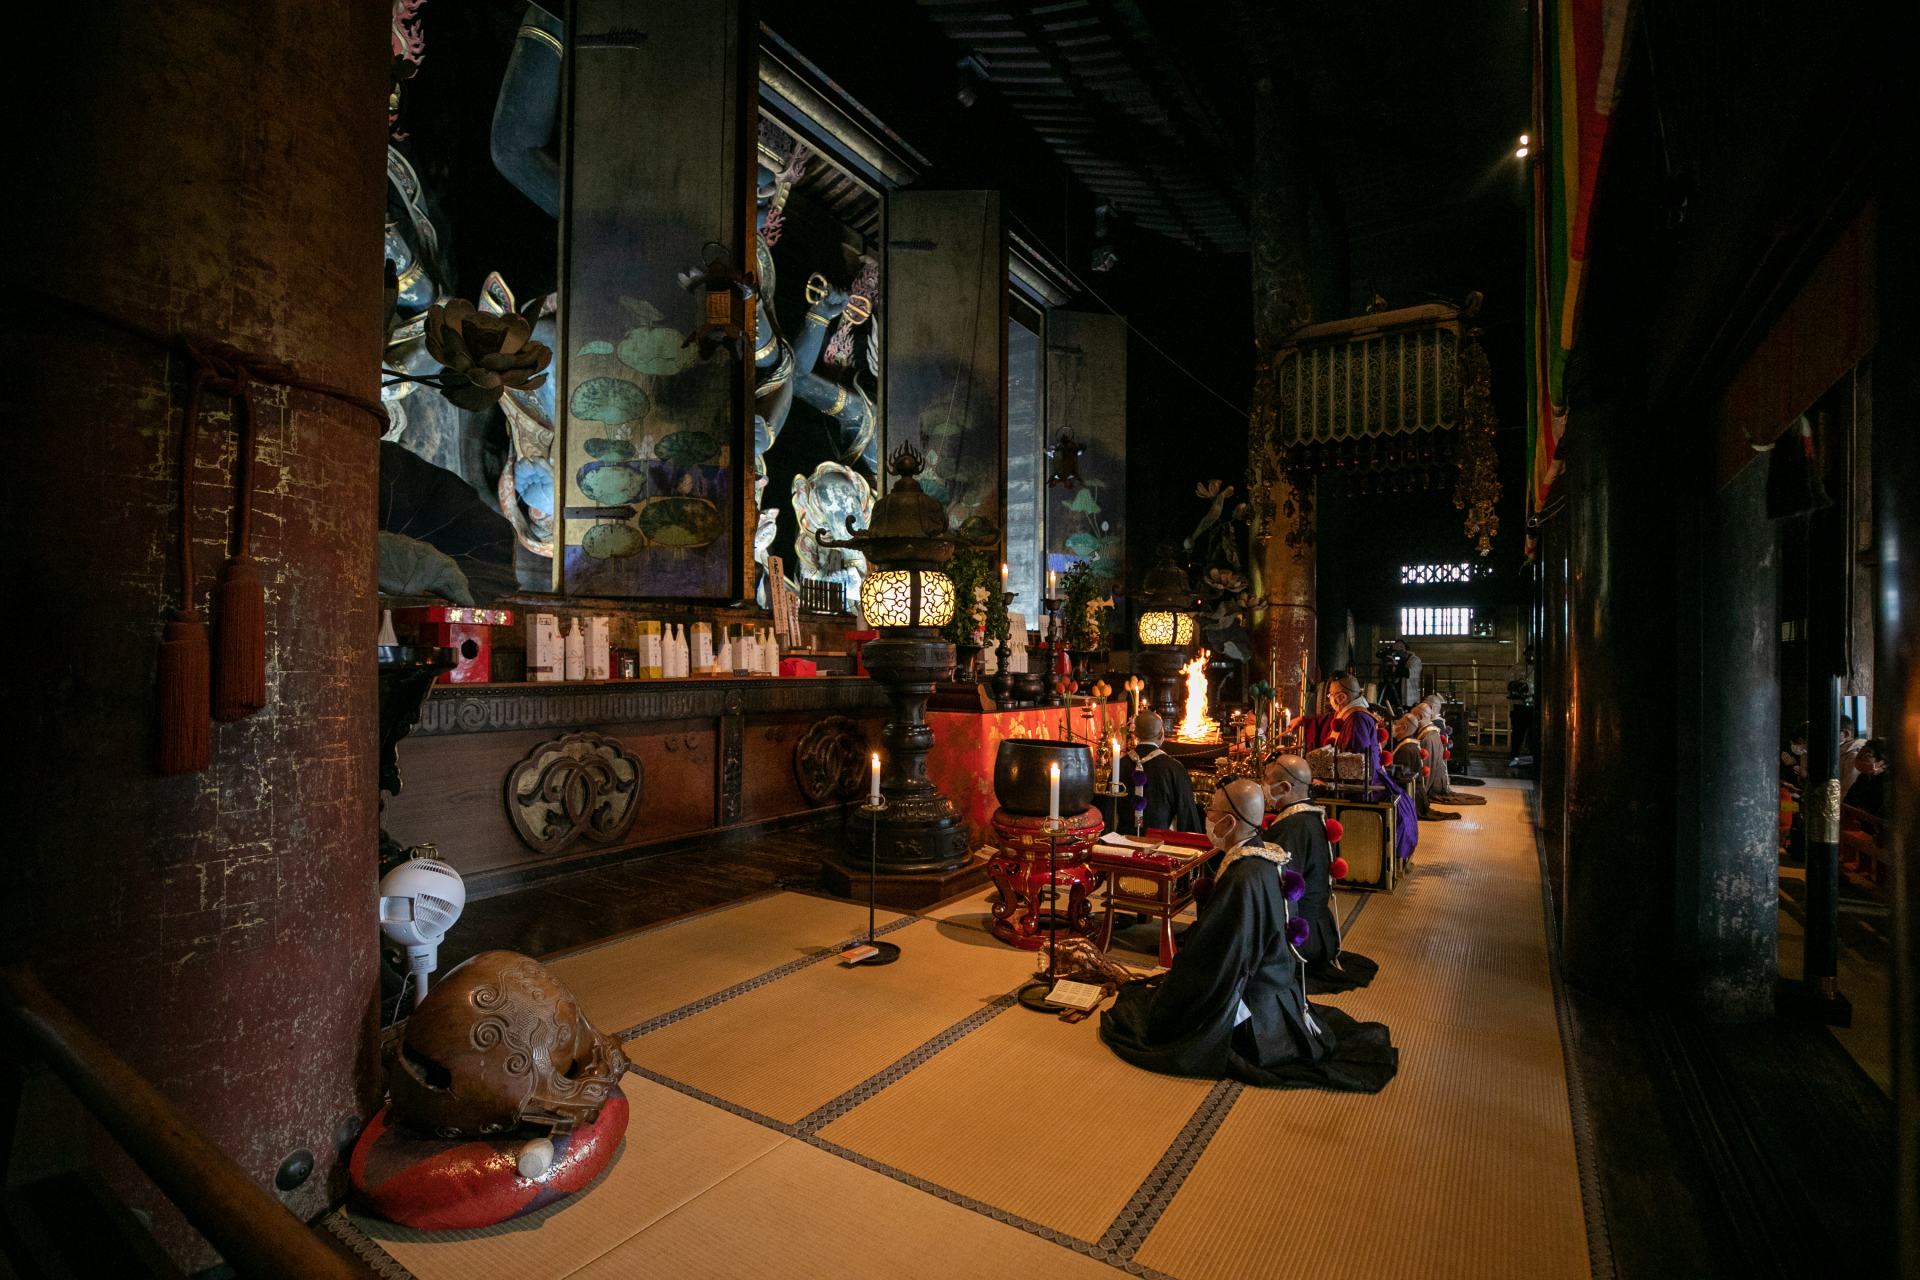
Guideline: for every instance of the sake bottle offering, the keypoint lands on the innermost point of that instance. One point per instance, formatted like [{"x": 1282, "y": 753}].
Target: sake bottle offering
[
  {"x": 575, "y": 649},
  {"x": 387, "y": 638},
  {"x": 649, "y": 651},
  {"x": 670, "y": 660},
  {"x": 702, "y": 649},
  {"x": 723, "y": 652}
]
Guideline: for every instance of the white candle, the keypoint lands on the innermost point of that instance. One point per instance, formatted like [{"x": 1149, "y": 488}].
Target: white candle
[
  {"x": 1049, "y": 582},
  {"x": 1116, "y": 763},
  {"x": 1053, "y": 793},
  {"x": 873, "y": 792},
  {"x": 1003, "y": 575}
]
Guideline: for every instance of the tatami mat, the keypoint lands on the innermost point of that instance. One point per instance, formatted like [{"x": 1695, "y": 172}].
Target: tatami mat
[
  {"x": 1031, "y": 1115},
  {"x": 674, "y": 1151},
  {"x": 787, "y": 1048},
  {"x": 1464, "y": 1165},
  {"x": 907, "y": 1120},
  {"x": 623, "y": 983},
  {"x": 799, "y": 1213}
]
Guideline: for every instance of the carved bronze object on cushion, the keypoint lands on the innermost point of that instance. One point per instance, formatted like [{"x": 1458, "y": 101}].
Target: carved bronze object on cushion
[
  {"x": 577, "y": 787},
  {"x": 500, "y": 1043},
  {"x": 830, "y": 760}
]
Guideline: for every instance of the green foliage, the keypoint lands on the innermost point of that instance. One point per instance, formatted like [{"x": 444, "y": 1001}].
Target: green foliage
[
  {"x": 1085, "y": 606},
  {"x": 972, "y": 574}
]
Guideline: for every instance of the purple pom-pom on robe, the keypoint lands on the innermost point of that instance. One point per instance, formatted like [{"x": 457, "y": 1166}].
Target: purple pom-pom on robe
[
  {"x": 1298, "y": 932},
  {"x": 1294, "y": 885}
]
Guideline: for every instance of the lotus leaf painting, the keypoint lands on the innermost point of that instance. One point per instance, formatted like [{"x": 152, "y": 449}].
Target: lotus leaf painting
[{"x": 649, "y": 461}]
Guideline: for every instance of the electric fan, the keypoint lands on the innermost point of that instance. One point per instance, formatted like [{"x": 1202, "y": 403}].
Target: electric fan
[{"x": 419, "y": 901}]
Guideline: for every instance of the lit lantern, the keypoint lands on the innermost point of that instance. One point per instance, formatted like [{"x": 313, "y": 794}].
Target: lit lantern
[
  {"x": 1164, "y": 626},
  {"x": 1166, "y": 632},
  {"x": 907, "y": 598}
]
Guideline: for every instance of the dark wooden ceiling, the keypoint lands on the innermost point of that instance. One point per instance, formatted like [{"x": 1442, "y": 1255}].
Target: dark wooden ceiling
[{"x": 1413, "y": 111}]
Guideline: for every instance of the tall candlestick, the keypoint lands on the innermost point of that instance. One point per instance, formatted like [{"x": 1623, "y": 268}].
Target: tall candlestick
[
  {"x": 1053, "y": 792},
  {"x": 873, "y": 792}
]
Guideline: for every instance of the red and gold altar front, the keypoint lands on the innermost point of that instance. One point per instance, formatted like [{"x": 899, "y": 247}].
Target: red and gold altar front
[{"x": 965, "y": 744}]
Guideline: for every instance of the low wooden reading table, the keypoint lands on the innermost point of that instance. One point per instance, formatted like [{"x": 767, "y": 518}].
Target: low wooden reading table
[{"x": 1158, "y": 880}]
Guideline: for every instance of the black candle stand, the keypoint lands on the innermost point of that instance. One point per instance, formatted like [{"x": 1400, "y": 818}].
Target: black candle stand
[
  {"x": 884, "y": 952},
  {"x": 1051, "y": 681},
  {"x": 1003, "y": 654},
  {"x": 1034, "y": 995}
]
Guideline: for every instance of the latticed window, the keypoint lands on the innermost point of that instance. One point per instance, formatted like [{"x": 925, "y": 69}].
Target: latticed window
[
  {"x": 1422, "y": 574},
  {"x": 1419, "y": 620}
]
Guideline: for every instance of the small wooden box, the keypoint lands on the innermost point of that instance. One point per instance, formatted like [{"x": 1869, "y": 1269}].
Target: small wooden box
[{"x": 1368, "y": 841}]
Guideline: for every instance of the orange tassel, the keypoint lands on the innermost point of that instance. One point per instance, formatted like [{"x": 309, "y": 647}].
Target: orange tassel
[
  {"x": 240, "y": 674},
  {"x": 186, "y": 745}
]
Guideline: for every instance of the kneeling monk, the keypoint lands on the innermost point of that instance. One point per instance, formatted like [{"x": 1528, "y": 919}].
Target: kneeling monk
[
  {"x": 1234, "y": 1004},
  {"x": 1301, "y": 830}
]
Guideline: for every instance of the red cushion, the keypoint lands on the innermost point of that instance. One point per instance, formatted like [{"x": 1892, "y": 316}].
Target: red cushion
[{"x": 460, "y": 1184}]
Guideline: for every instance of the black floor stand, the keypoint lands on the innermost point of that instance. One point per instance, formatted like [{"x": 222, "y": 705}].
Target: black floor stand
[{"x": 884, "y": 952}]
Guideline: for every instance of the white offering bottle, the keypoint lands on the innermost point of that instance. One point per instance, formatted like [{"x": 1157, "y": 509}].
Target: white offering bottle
[
  {"x": 574, "y": 646},
  {"x": 723, "y": 652},
  {"x": 702, "y": 649},
  {"x": 669, "y": 657}
]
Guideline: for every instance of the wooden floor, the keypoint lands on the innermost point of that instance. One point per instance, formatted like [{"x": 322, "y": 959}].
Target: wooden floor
[
  {"x": 795, "y": 1118},
  {"x": 563, "y": 912}
]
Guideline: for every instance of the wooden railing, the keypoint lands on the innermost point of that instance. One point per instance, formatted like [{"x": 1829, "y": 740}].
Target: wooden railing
[{"x": 253, "y": 1231}]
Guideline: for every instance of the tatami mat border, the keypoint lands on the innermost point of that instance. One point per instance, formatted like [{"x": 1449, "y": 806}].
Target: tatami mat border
[
  {"x": 826, "y": 1114},
  {"x": 1137, "y": 1219},
  {"x": 739, "y": 989},
  {"x": 364, "y": 1247},
  {"x": 1097, "y": 1252},
  {"x": 1592, "y": 1198}
]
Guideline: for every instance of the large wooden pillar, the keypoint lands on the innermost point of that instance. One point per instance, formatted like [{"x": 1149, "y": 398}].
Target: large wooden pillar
[
  {"x": 1284, "y": 555},
  {"x": 222, "y": 174},
  {"x": 1728, "y": 890},
  {"x": 1896, "y": 710},
  {"x": 1617, "y": 928}
]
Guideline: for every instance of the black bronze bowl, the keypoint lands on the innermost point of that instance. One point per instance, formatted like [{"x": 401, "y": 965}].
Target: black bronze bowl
[
  {"x": 1022, "y": 779},
  {"x": 1027, "y": 685}
]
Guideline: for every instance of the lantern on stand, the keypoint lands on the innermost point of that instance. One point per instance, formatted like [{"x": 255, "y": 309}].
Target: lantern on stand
[
  {"x": 922, "y": 849},
  {"x": 1165, "y": 632}
]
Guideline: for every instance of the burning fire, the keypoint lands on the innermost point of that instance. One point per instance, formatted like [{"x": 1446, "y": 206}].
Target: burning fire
[{"x": 1196, "y": 725}]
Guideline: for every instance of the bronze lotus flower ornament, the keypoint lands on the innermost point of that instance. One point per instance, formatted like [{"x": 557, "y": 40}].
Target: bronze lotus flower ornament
[{"x": 481, "y": 355}]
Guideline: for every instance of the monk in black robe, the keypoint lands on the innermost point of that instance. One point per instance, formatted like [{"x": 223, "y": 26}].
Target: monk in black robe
[
  {"x": 1234, "y": 1006},
  {"x": 1301, "y": 830},
  {"x": 1169, "y": 798}
]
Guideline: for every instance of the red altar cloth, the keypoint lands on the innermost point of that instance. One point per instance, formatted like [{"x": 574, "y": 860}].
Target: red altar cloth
[{"x": 966, "y": 742}]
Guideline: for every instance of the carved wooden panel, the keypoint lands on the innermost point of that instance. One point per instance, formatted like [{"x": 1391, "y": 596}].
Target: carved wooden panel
[
  {"x": 830, "y": 760},
  {"x": 578, "y": 788}
]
